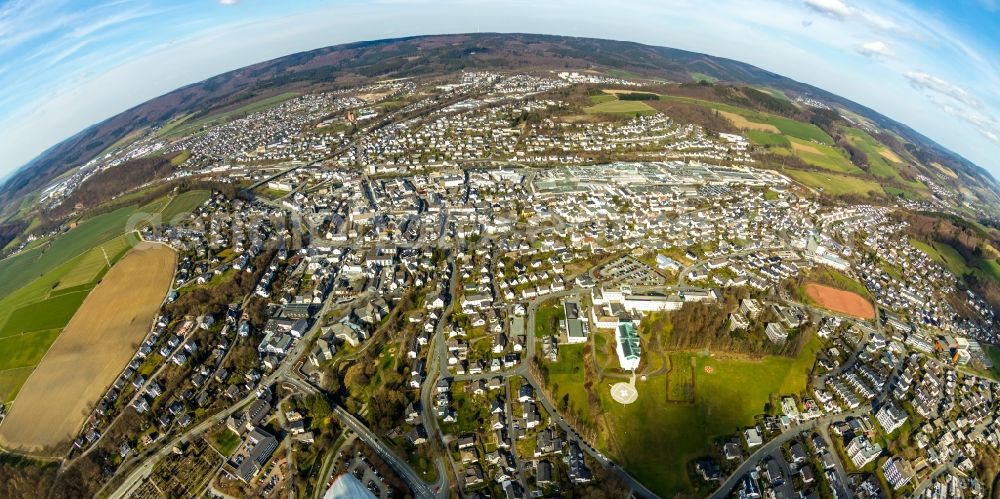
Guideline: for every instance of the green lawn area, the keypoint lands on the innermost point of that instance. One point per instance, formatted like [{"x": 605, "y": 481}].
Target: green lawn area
[
  {"x": 183, "y": 204},
  {"x": 547, "y": 319},
  {"x": 620, "y": 107},
  {"x": 993, "y": 352},
  {"x": 680, "y": 379},
  {"x": 473, "y": 414},
  {"x": 768, "y": 139},
  {"x": 225, "y": 441},
  {"x": 835, "y": 184},
  {"x": 790, "y": 127},
  {"x": 566, "y": 381},
  {"x": 726, "y": 402},
  {"x": 944, "y": 254}
]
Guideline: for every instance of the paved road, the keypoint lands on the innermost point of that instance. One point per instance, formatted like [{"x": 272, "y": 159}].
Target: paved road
[
  {"x": 149, "y": 461},
  {"x": 437, "y": 354},
  {"x": 416, "y": 484},
  {"x": 638, "y": 488},
  {"x": 838, "y": 468},
  {"x": 775, "y": 444}
]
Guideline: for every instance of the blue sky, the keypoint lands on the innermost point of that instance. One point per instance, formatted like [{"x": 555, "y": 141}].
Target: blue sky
[{"x": 933, "y": 65}]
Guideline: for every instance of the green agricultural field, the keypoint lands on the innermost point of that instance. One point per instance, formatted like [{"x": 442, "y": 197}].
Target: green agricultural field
[
  {"x": 778, "y": 94},
  {"x": 24, "y": 267},
  {"x": 33, "y": 314},
  {"x": 620, "y": 107},
  {"x": 768, "y": 139},
  {"x": 18, "y": 357},
  {"x": 180, "y": 158},
  {"x": 11, "y": 382},
  {"x": 26, "y": 349},
  {"x": 622, "y": 73},
  {"x": 835, "y": 184},
  {"x": 882, "y": 162},
  {"x": 906, "y": 193},
  {"x": 872, "y": 148},
  {"x": 823, "y": 156},
  {"x": 599, "y": 98},
  {"x": 93, "y": 263},
  {"x": 991, "y": 268},
  {"x": 183, "y": 204},
  {"x": 700, "y": 77},
  {"x": 790, "y": 127},
  {"x": 52, "y": 313},
  {"x": 726, "y": 401}
]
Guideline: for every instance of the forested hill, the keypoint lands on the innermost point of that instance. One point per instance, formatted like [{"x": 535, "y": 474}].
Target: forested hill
[{"x": 354, "y": 63}]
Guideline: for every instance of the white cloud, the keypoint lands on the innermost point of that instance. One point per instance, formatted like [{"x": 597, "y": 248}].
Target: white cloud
[
  {"x": 924, "y": 81},
  {"x": 229, "y": 2},
  {"x": 875, "y": 49},
  {"x": 835, "y": 8}
]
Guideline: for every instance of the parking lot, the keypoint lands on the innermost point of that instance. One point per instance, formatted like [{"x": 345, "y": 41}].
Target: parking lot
[
  {"x": 356, "y": 464},
  {"x": 628, "y": 270}
]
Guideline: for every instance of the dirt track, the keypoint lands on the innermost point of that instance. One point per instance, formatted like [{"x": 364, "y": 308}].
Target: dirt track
[
  {"x": 92, "y": 350},
  {"x": 841, "y": 301}
]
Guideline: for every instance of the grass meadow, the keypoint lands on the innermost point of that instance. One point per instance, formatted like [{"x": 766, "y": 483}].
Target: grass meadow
[{"x": 835, "y": 184}]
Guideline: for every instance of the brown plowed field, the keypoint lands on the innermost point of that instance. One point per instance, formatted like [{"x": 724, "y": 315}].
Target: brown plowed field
[
  {"x": 841, "y": 301},
  {"x": 92, "y": 350}
]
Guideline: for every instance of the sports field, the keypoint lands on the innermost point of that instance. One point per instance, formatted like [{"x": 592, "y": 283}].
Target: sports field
[
  {"x": 841, "y": 301},
  {"x": 91, "y": 351}
]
